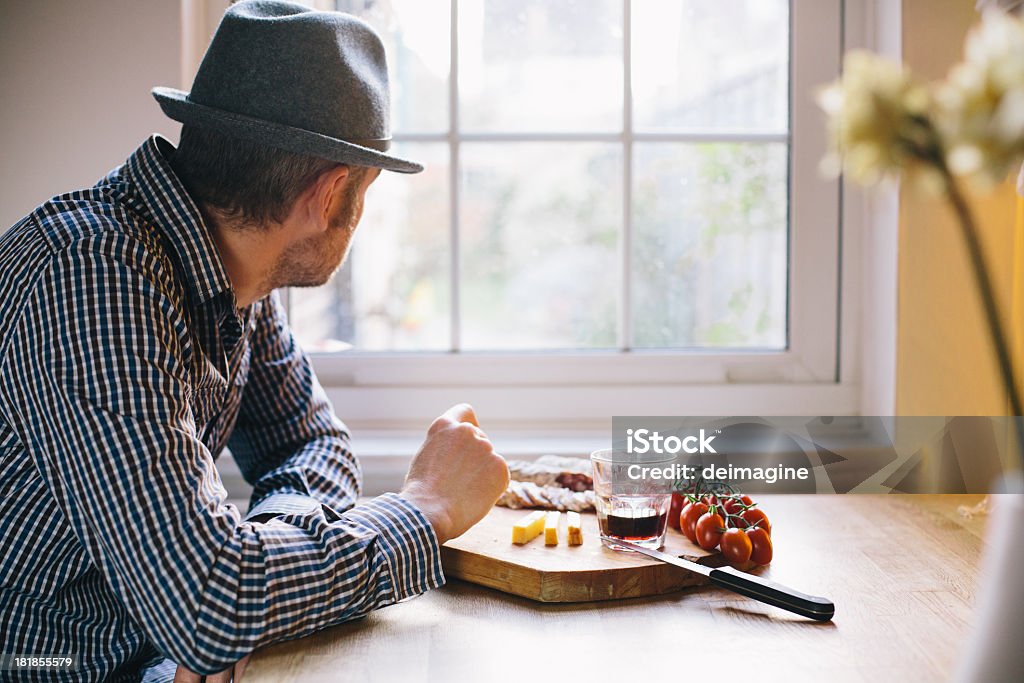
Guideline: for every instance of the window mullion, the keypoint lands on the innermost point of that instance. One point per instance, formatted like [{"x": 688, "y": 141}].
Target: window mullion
[
  {"x": 626, "y": 243},
  {"x": 453, "y": 180}
]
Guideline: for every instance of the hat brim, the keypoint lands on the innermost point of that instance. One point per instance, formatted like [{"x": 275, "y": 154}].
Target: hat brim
[{"x": 176, "y": 104}]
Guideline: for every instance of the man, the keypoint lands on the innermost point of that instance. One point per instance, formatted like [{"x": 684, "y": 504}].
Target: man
[{"x": 139, "y": 336}]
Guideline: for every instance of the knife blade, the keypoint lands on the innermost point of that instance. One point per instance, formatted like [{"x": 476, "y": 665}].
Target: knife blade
[{"x": 754, "y": 587}]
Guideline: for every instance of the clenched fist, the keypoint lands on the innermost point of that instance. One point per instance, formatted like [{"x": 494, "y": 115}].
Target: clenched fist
[{"x": 456, "y": 476}]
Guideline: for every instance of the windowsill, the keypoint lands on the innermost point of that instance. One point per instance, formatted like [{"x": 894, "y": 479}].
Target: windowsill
[
  {"x": 385, "y": 455},
  {"x": 401, "y": 444}
]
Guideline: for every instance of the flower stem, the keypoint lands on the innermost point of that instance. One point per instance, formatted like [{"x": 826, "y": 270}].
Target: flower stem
[{"x": 969, "y": 231}]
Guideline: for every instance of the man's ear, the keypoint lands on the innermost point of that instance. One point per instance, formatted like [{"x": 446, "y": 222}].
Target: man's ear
[{"x": 327, "y": 191}]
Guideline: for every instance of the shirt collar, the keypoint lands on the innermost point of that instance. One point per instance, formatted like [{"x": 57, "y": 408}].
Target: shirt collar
[{"x": 172, "y": 209}]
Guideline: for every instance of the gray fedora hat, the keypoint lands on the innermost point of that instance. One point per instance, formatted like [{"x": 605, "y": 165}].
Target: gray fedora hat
[{"x": 283, "y": 75}]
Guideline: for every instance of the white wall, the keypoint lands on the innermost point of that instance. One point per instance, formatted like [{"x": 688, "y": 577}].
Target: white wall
[
  {"x": 75, "y": 77},
  {"x": 74, "y": 91}
]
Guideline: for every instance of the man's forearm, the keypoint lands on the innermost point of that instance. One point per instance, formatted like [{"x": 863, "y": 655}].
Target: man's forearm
[
  {"x": 323, "y": 471},
  {"x": 302, "y": 572}
]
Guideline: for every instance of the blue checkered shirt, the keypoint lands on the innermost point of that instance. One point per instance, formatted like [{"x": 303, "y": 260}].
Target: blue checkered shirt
[{"x": 125, "y": 370}]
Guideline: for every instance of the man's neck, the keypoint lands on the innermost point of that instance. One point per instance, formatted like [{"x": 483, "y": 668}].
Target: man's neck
[{"x": 249, "y": 254}]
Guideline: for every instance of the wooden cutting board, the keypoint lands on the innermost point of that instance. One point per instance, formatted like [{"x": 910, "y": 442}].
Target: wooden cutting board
[{"x": 486, "y": 555}]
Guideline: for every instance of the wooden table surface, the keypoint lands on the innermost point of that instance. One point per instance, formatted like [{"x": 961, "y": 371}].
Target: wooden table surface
[{"x": 900, "y": 569}]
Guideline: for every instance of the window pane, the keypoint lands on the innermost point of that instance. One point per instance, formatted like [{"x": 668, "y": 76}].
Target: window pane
[
  {"x": 393, "y": 291},
  {"x": 550, "y": 65},
  {"x": 710, "y": 245},
  {"x": 710, "y": 65},
  {"x": 540, "y": 230},
  {"x": 417, "y": 37}
]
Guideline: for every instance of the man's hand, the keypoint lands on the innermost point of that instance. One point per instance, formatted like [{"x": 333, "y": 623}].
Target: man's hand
[
  {"x": 456, "y": 476},
  {"x": 230, "y": 675}
]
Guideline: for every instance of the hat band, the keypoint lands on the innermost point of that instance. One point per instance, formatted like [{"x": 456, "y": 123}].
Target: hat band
[{"x": 378, "y": 144}]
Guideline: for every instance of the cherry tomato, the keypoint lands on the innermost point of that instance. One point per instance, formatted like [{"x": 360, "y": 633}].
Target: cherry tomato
[
  {"x": 736, "y": 546},
  {"x": 730, "y": 511},
  {"x": 688, "y": 519},
  {"x": 682, "y": 517},
  {"x": 756, "y": 517},
  {"x": 732, "y": 506},
  {"x": 675, "y": 508},
  {"x": 709, "y": 530},
  {"x": 761, "y": 545},
  {"x": 709, "y": 499},
  {"x": 746, "y": 500}
]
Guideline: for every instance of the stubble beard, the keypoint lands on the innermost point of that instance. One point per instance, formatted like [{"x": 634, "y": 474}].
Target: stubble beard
[{"x": 313, "y": 261}]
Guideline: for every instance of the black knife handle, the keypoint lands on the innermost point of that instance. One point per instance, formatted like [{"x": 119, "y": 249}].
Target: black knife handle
[{"x": 771, "y": 593}]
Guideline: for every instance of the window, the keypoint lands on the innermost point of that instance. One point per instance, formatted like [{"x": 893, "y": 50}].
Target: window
[{"x": 619, "y": 194}]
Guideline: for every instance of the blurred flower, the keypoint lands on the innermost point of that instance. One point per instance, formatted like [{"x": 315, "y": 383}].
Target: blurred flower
[
  {"x": 878, "y": 120},
  {"x": 1013, "y": 6},
  {"x": 882, "y": 123},
  {"x": 981, "y": 103}
]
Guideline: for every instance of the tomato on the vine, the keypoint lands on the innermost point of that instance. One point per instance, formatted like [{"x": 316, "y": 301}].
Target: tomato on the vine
[
  {"x": 731, "y": 521},
  {"x": 709, "y": 529},
  {"x": 732, "y": 506},
  {"x": 761, "y": 545},
  {"x": 755, "y": 517},
  {"x": 675, "y": 508},
  {"x": 688, "y": 519},
  {"x": 736, "y": 546}
]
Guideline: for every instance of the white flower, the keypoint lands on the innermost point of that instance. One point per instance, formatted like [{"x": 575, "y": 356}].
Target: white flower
[
  {"x": 877, "y": 119},
  {"x": 981, "y": 103},
  {"x": 1013, "y": 6}
]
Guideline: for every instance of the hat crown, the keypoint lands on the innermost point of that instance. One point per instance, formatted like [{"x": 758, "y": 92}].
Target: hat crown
[{"x": 281, "y": 62}]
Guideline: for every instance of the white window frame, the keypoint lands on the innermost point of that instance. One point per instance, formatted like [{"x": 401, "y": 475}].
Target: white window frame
[
  {"x": 583, "y": 389},
  {"x": 818, "y": 373}
]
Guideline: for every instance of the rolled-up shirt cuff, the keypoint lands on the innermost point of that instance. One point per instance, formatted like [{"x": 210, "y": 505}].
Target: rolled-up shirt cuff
[
  {"x": 277, "y": 504},
  {"x": 406, "y": 539}
]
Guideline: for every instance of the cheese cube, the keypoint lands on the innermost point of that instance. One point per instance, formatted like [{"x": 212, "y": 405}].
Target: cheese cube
[
  {"x": 573, "y": 528},
  {"x": 551, "y": 528},
  {"x": 528, "y": 528}
]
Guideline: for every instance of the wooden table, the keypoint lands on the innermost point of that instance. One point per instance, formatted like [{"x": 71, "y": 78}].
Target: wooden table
[{"x": 900, "y": 569}]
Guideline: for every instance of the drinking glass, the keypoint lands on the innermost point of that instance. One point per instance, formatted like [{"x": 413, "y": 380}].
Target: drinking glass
[{"x": 633, "y": 509}]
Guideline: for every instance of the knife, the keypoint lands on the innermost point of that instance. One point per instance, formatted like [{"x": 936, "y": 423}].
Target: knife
[{"x": 762, "y": 590}]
